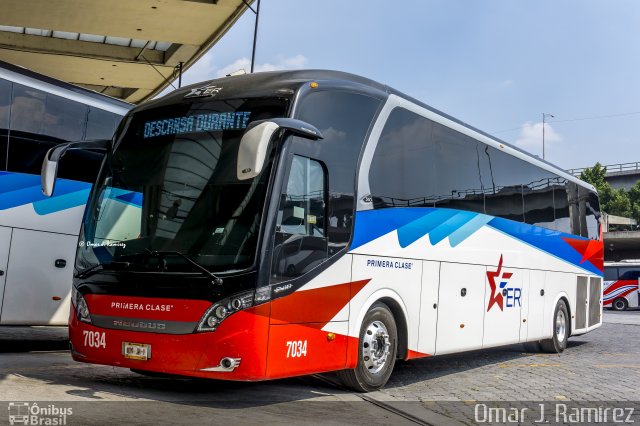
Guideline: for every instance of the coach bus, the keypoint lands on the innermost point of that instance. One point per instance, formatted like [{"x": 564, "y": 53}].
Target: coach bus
[
  {"x": 38, "y": 235},
  {"x": 289, "y": 223},
  {"x": 621, "y": 285}
]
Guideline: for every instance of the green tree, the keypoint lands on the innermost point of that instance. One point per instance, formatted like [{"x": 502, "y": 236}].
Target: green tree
[
  {"x": 617, "y": 202},
  {"x": 634, "y": 198},
  {"x": 596, "y": 176}
]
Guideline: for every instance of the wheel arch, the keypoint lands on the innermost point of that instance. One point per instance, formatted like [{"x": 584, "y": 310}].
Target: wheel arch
[
  {"x": 399, "y": 311},
  {"x": 564, "y": 297},
  {"x": 561, "y": 295},
  {"x": 401, "y": 326}
]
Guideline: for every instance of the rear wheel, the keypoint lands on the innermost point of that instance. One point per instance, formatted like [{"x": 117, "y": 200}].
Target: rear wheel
[
  {"x": 377, "y": 349},
  {"x": 620, "y": 304},
  {"x": 561, "y": 330}
]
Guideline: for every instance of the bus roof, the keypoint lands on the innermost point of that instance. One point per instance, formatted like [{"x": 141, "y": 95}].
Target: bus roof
[
  {"x": 38, "y": 81},
  {"x": 273, "y": 82}
]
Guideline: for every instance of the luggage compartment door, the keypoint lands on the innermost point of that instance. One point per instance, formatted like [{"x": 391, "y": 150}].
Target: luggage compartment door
[{"x": 37, "y": 291}]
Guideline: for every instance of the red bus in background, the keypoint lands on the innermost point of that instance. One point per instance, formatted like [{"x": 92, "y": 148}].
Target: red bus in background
[{"x": 621, "y": 285}]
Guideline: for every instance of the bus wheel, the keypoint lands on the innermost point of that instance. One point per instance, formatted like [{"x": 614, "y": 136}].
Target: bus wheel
[
  {"x": 378, "y": 345},
  {"x": 620, "y": 304},
  {"x": 561, "y": 325}
]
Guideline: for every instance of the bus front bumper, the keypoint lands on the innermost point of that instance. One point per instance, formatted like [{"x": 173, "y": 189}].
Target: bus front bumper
[{"x": 236, "y": 350}]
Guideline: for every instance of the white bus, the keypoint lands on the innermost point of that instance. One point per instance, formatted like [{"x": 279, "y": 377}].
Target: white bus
[
  {"x": 289, "y": 223},
  {"x": 38, "y": 235}
]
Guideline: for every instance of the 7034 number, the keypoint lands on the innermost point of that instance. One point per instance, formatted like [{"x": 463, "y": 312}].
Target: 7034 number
[
  {"x": 296, "y": 348},
  {"x": 94, "y": 339}
]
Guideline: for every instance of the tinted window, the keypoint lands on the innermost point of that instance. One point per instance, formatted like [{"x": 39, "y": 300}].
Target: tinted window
[
  {"x": 300, "y": 243},
  {"x": 538, "y": 203},
  {"x": 503, "y": 177},
  {"x": 344, "y": 119},
  {"x": 27, "y": 144},
  {"x": 574, "y": 207},
  {"x": 561, "y": 214},
  {"x": 610, "y": 273},
  {"x": 592, "y": 213},
  {"x": 633, "y": 274},
  {"x": 101, "y": 124},
  {"x": 40, "y": 121},
  {"x": 5, "y": 107},
  {"x": 421, "y": 163},
  {"x": 418, "y": 162},
  {"x": 455, "y": 160},
  {"x": 64, "y": 119}
]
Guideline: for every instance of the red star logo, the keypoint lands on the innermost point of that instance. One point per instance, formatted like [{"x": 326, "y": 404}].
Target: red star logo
[{"x": 496, "y": 295}]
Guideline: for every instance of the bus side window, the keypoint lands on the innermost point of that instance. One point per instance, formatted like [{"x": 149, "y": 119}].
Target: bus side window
[
  {"x": 300, "y": 241},
  {"x": 5, "y": 106},
  {"x": 633, "y": 274},
  {"x": 610, "y": 273}
]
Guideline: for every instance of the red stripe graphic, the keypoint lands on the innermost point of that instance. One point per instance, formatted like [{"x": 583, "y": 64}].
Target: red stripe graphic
[
  {"x": 317, "y": 305},
  {"x": 620, "y": 283},
  {"x": 591, "y": 250}
]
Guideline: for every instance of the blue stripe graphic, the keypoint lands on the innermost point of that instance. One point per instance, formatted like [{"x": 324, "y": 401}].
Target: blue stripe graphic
[
  {"x": 18, "y": 189},
  {"x": 412, "y": 224}
]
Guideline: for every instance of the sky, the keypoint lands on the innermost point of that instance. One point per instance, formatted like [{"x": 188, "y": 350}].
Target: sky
[{"x": 497, "y": 65}]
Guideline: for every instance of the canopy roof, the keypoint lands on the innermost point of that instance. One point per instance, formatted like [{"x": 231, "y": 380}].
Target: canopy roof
[{"x": 122, "y": 48}]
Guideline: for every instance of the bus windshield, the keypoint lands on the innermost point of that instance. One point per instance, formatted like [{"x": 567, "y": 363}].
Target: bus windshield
[{"x": 170, "y": 185}]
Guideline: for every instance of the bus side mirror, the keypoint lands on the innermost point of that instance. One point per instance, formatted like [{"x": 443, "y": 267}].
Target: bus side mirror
[
  {"x": 255, "y": 142},
  {"x": 49, "y": 170},
  {"x": 48, "y": 175}
]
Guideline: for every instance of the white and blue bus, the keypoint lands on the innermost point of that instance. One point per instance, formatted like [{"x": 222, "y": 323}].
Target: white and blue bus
[
  {"x": 38, "y": 235},
  {"x": 287, "y": 223}
]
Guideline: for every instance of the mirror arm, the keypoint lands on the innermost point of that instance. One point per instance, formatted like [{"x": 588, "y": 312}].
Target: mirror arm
[{"x": 57, "y": 152}]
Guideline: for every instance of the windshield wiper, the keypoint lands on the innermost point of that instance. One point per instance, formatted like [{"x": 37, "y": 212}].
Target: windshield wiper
[
  {"x": 97, "y": 268},
  {"x": 214, "y": 278}
]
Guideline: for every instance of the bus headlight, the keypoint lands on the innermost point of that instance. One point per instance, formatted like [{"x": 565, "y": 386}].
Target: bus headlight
[
  {"x": 222, "y": 309},
  {"x": 82, "y": 309}
]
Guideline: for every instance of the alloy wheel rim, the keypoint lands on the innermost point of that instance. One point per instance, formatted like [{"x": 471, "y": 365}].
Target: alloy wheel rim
[
  {"x": 376, "y": 347},
  {"x": 561, "y": 326}
]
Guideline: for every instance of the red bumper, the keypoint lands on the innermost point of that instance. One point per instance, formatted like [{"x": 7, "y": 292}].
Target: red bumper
[{"x": 243, "y": 335}]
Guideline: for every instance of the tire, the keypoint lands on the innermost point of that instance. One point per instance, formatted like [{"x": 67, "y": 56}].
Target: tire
[
  {"x": 620, "y": 304},
  {"x": 378, "y": 328},
  {"x": 561, "y": 330}
]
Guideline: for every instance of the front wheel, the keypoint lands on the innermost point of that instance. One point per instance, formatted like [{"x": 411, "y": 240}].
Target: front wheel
[
  {"x": 377, "y": 349},
  {"x": 561, "y": 330},
  {"x": 620, "y": 304}
]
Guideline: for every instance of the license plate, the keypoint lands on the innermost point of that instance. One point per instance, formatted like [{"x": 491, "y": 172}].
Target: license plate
[{"x": 138, "y": 351}]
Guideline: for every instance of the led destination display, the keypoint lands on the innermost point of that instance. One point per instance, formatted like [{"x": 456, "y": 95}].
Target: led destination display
[{"x": 197, "y": 123}]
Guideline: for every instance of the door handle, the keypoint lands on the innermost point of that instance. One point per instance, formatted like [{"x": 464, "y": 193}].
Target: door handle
[
  {"x": 1, "y": 273},
  {"x": 60, "y": 263}
]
